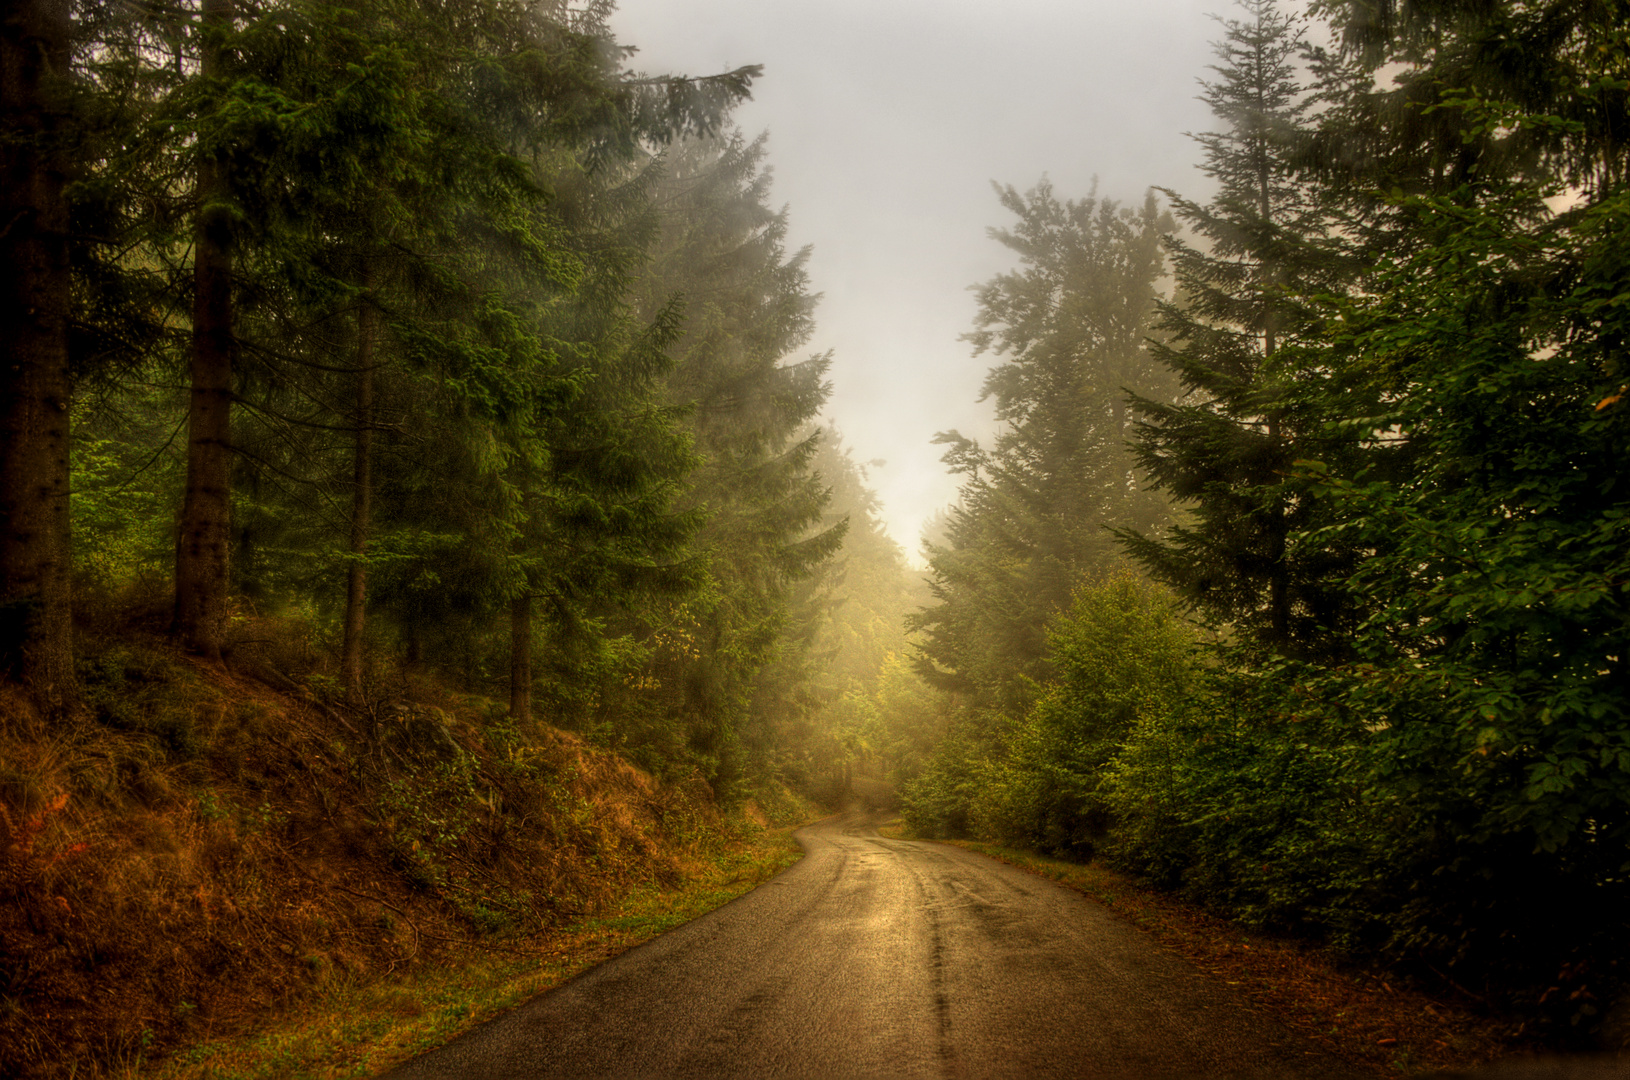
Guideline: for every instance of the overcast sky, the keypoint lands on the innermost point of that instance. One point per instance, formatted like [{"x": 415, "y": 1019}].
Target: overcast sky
[{"x": 887, "y": 122}]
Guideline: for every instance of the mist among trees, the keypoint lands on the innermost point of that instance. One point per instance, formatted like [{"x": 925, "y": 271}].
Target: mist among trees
[
  {"x": 1346, "y": 656},
  {"x": 434, "y": 338},
  {"x": 437, "y": 327}
]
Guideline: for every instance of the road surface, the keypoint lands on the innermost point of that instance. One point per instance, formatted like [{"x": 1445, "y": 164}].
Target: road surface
[{"x": 889, "y": 958}]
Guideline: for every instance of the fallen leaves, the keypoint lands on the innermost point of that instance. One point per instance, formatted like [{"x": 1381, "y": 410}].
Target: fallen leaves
[{"x": 1358, "y": 1015}]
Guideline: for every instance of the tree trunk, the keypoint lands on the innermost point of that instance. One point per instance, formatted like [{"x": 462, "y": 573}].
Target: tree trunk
[
  {"x": 356, "y": 595},
  {"x": 1279, "y": 580},
  {"x": 520, "y": 657},
  {"x": 1279, "y": 583},
  {"x": 201, "y": 572},
  {"x": 36, "y": 629}
]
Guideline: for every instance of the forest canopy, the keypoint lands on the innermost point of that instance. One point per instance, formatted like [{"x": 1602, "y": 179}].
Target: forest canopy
[
  {"x": 438, "y": 330},
  {"x": 431, "y": 340},
  {"x": 1296, "y": 577}
]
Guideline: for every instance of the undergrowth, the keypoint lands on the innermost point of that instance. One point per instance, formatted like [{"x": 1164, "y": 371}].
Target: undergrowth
[
  {"x": 359, "y": 1029},
  {"x": 200, "y": 849}
]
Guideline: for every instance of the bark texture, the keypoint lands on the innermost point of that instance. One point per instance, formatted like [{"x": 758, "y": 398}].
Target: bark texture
[
  {"x": 203, "y": 546},
  {"x": 356, "y": 595},
  {"x": 520, "y": 657},
  {"x": 35, "y": 598}
]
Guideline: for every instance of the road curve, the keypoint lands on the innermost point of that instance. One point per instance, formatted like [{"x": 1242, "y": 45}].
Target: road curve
[{"x": 889, "y": 958}]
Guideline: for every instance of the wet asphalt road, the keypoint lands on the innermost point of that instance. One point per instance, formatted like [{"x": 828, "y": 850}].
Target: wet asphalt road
[{"x": 889, "y": 958}]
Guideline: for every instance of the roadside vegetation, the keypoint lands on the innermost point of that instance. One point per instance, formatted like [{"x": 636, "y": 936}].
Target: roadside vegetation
[
  {"x": 273, "y": 885},
  {"x": 1370, "y": 1017},
  {"x": 1294, "y": 582},
  {"x": 421, "y": 554},
  {"x": 363, "y": 1028}
]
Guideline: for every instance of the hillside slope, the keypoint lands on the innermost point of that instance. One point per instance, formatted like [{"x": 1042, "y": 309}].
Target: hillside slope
[{"x": 202, "y": 847}]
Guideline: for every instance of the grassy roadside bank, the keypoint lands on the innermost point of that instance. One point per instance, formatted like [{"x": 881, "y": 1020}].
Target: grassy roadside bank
[
  {"x": 1369, "y": 1018},
  {"x": 212, "y": 872},
  {"x": 364, "y": 1029}
]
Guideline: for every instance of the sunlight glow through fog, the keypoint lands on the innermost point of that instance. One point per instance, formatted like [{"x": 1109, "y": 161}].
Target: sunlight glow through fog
[{"x": 888, "y": 120}]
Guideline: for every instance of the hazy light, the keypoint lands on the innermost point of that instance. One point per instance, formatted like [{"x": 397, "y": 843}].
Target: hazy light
[{"x": 888, "y": 120}]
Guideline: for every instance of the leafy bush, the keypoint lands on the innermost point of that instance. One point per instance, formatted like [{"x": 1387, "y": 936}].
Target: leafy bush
[
  {"x": 1267, "y": 797},
  {"x": 1243, "y": 796},
  {"x": 1121, "y": 654},
  {"x": 939, "y": 801}
]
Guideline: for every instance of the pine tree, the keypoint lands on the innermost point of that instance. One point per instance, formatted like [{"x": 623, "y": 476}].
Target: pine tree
[
  {"x": 35, "y": 291},
  {"x": 1226, "y": 447},
  {"x": 1036, "y": 507}
]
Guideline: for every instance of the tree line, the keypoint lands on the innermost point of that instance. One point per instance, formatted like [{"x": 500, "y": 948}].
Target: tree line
[
  {"x": 433, "y": 324},
  {"x": 1297, "y": 575}
]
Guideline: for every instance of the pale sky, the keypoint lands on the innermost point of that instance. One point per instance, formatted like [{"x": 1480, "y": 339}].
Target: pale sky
[{"x": 887, "y": 122}]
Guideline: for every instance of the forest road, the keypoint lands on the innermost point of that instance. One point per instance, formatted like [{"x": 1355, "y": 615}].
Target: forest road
[{"x": 875, "y": 957}]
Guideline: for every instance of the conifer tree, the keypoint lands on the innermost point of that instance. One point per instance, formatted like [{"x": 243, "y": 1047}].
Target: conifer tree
[
  {"x": 820, "y": 706},
  {"x": 598, "y": 533},
  {"x": 202, "y": 550},
  {"x": 391, "y": 170},
  {"x": 1225, "y": 448},
  {"x": 721, "y": 262},
  {"x": 1036, "y": 507},
  {"x": 35, "y": 284}
]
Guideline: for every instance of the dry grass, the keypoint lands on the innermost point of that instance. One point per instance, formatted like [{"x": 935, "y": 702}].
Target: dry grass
[
  {"x": 203, "y": 849},
  {"x": 361, "y": 1028}
]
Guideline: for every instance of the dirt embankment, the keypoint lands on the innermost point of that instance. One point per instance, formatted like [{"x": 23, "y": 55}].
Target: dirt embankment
[{"x": 200, "y": 847}]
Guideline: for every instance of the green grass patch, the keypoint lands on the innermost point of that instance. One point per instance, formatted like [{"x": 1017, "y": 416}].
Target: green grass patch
[{"x": 361, "y": 1028}]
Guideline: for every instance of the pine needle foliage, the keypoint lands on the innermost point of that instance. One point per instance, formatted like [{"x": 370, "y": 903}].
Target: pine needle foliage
[
  {"x": 1224, "y": 449},
  {"x": 1036, "y": 507}
]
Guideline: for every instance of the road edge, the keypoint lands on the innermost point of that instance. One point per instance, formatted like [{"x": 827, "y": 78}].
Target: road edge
[
  {"x": 366, "y": 1029},
  {"x": 1357, "y": 1015}
]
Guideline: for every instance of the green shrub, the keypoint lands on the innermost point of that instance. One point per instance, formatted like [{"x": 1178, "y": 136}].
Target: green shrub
[
  {"x": 1262, "y": 812},
  {"x": 1121, "y": 653}
]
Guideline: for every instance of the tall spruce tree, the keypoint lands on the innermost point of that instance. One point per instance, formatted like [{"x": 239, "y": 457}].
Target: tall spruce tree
[
  {"x": 721, "y": 261},
  {"x": 1036, "y": 507},
  {"x": 203, "y": 547},
  {"x": 76, "y": 176},
  {"x": 599, "y": 536},
  {"x": 1225, "y": 448},
  {"x": 35, "y": 300}
]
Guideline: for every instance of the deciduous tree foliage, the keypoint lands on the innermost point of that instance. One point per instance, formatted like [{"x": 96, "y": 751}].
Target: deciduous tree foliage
[{"x": 1488, "y": 347}]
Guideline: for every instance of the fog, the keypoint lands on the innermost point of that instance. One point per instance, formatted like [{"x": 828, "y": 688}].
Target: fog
[{"x": 888, "y": 120}]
